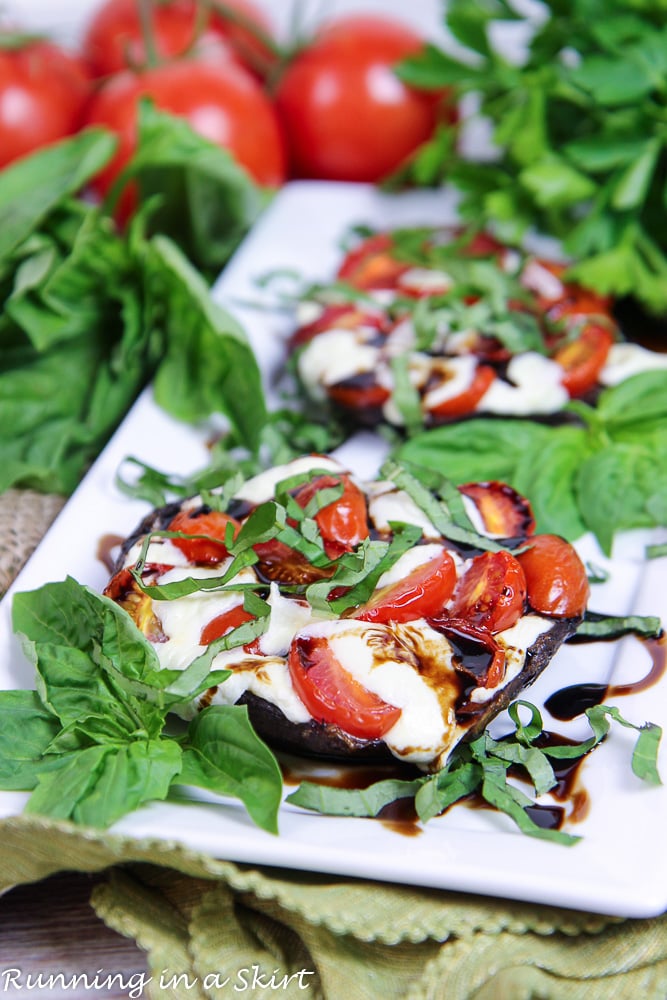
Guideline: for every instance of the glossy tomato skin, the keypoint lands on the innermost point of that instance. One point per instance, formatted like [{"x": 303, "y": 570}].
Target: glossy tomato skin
[
  {"x": 222, "y": 103},
  {"x": 505, "y": 513},
  {"x": 492, "y": 592},
  {"x": 332, "y": 695},
  {"x": 346, "y": 114},
  {"x": 343, "y": 524},
  {"x": 556, "y": 578},
  {"x": 43, "y": 91},
  {"x": 113, "y": 39},
  {"x": 421, "y": 594},
  {"x": 208, "y": 551}
]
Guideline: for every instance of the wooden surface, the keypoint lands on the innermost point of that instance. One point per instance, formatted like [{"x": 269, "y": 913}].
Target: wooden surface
[{"x": 50, "y": 928}]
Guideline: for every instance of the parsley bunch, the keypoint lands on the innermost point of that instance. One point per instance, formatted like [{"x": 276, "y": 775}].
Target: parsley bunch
[{"x": 581, "y": 129}]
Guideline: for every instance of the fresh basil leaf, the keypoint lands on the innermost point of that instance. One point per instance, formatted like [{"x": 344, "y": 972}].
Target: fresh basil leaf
[
  {"x": 223, "y": 754},
  {"x": 637, "y": 399},
  {"x": 404, "y": 537},
  {"x": 546, "y": 473},
  {"x": 596, "y": 626},
  {"x": 353, "y": 801},
  {"x": 32, "y": 188},
  {"x": 206, "y": 201},
  {"x": 656, "y": 551},
  {"x": 26, "y": 731},
  {"x": 610, "y": 493},
  {"x": 99, "y": 785},
  {"x": 208, "y": 366},
  {"x": 448, "y": 786}
]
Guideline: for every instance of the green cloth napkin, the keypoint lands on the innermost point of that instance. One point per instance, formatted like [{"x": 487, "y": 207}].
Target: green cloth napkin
[{"x": 214, "y": 929}]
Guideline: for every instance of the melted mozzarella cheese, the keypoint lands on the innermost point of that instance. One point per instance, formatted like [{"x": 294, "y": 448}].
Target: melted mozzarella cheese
[
  {"x": 515, "y": 641},
  {"x": 456, "y": 375},
  {"x": 425, "y": 279},
  {"x": 539, "y": 279},
  {"x": 386, "y": 504},
  {"x": 535, "y": 386},
  {"x": 333, "y": 356},
  {"x": 625, "y": 360},
  {"x": 408, "y": 563},
  {"x": 263, "y": 486}
]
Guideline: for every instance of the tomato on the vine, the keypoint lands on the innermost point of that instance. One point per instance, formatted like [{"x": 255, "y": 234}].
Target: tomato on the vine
[
  {"x": 113, "y": 39},
  {"x": 332, "y": 695},
  {"x": 223, "y": 103},
  {"x": 556, "y": 577},
  {"x": 43, "y": 91},
  {"x": 346, "y": 113}
]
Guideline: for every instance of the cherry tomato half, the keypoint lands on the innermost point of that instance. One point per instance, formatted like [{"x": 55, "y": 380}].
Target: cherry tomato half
[
  {"x": 332, "y": 695},
  {"x": 358, "y": 393},
  {"x": 422, "y": 594},
  {"x": 113, "y": 39},
  {"x": 584, "y": 358},
  {"x": 343, "y": 523},
  {"x": 43, "y": 91},
  {"x": 505, "y": 512},
  {"x": 466, "y": 401},
  {"x": 339, "y": 317},
  {"x": 226, "y": 622},
  {"x": 556, "y": 578},
  {"x": 346, "y": 113},
  {"x": 203, "y": 550},
  {"x": 221, "y": 102},
  {"x": 492, "y": 592},
  {"x": 372, "y": 265}
]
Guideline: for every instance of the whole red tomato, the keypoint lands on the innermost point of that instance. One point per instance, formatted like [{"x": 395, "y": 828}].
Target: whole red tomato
[
  {"x": 114, "y": 41},
  {"x": 347, "y": 116},
  {"x": 42, "y": 94},
  {"x": 223, "y": 103}
]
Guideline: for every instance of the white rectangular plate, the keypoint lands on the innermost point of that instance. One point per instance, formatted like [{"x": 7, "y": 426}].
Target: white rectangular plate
[{"x": 619, "y": 866}]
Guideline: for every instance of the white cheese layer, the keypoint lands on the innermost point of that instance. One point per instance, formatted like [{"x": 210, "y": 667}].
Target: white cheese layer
[
  {"x": 625, "y": 360},
  {"x": 333, "y": 356},
  {"x": 263, "y": 486},
  {"x": 536, "y": 387}
]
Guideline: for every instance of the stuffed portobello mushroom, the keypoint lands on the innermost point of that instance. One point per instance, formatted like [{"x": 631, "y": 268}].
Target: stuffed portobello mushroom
[{"x": 355, "y": 619}]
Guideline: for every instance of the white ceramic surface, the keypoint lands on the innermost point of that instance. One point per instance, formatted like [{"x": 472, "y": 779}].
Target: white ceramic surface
[{"x": 619, "y": 866}]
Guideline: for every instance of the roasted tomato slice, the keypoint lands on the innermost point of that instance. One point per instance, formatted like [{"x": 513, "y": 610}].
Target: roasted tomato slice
[
  {"x": 224, "y": 623},
  {"x": 359, "y": 393},
  {"x": 372, "y": 264},
  {"x": 421, "y": 594},
  {"x": 466, "y": 401},
  {"x": 346, "y": 316},
  {"x": 124, "y": 590},
  {"x": 279, "y": 562},
  {"x": 556, "y": 578},
  {"x": 491, "y": 593},
  {"x": 505, "y": 512},
  {"x": 476, "y": 652},
  {"x": 583, "y": 359},
  {"x": 332, "y": 695},
  {"x": 343, "y": 523},
  {"x": 213, "y": 523}
]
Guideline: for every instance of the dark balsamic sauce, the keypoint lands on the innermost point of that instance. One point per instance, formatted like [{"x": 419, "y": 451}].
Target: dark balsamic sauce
[
  {"x": 105, "y": 547},
  {"x": 572, "y": 701}
]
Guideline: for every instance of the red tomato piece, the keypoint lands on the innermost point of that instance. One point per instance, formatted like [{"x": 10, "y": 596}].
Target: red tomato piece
[
  {"x": 476, "y": 653},
  {"x": 492, "y": 592},
  {"x": 332, "y": 695},
  {"x": 342, "y": 523},
  {"x": 226, "y": 622},
  {"x": 422, "y": 594},
  {"x": 203, "y": 550},
  {"x": 279, "y": 562},
  {"x": 358, "y": 393},
  {"x": 346, "y": 113},
  {"x": 556, "y": 578},
  {"x": 466, "y": 401},
  {"x": 371, "y": 264},
  {"x": 43, "y": 91},
  {"x": 341, "y": 317},
  {"x": 221, "y": 102},
  {"x": 504, "y": 511},
  {"x": 113, "y": 39},
  {"x": 583, "y": 359}
]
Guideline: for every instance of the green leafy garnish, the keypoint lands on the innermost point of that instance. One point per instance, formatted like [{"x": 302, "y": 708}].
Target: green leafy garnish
[
  {"x": 482, "y": 766},
  {"x": 578, "y": 131},
  {"x": 605, "y": 476},
  {"x": 91, "y": 743}
]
